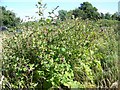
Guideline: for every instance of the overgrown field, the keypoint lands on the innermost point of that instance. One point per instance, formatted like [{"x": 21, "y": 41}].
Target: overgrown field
[{"x": 72, "y": 54}]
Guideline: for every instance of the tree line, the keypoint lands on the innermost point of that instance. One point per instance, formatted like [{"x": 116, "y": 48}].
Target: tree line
[{"x": 87, "y": 11}]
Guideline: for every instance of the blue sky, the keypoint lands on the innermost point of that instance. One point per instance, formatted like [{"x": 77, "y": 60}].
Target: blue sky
[{"x": 24, "y": 8}]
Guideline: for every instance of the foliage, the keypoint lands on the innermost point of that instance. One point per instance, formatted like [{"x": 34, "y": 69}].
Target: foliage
[
  {"x": 107, "y": 23},
  {"x": 72, "y": 54},
  {"x": 87, "y": 11},
  {"x": 79, "y": 13},
  {"x": 75, "y": 53},
  {"x": 8, "y": 18},
  {"x": 62, "y": 14},
  {"x": 90, "y": 11},
  {"x": 107, "y": 16}
]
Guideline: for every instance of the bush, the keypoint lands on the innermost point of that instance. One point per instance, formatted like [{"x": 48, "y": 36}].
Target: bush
[{"x": 74, "y": 53}]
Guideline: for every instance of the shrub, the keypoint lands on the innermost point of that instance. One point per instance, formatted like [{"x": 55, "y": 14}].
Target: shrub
[{"x": 74, "y": 53}]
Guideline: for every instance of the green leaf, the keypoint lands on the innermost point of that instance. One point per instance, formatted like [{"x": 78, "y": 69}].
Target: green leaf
[{"x": 63, "y": 49}]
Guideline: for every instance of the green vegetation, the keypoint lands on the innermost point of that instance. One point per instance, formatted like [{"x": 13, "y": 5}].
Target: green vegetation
[
  {"x": 87, "y": 11},
  {"x": 8, "y": 18},
  {"x": 74, "y": 53}
]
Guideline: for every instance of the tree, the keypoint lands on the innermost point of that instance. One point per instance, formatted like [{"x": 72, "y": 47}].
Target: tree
[
  {"x": 86, "y": 10},
  {"x": 107, "y": 16},
  {"x": 8, "y": 18},
  {"x": 79, "y": 13},
  {"x": 115, "y": 16},
  {"x": 102, "y": 16},
  {"x": 69, "y": 14},
  {"x": 91, "y": 12},
  {"x": 62, "y": 14}
]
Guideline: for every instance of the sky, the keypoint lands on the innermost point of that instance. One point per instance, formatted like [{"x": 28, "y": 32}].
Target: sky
[{"x": 24, "y": 8}]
